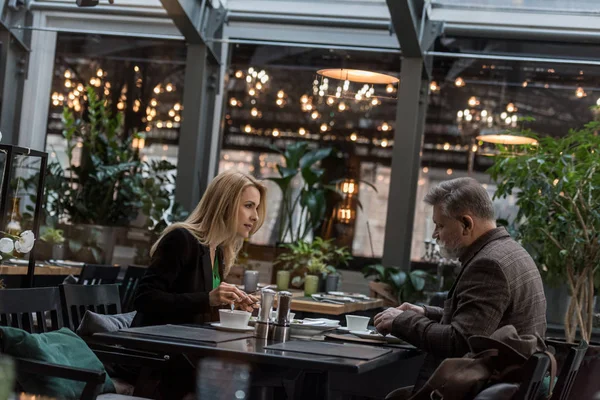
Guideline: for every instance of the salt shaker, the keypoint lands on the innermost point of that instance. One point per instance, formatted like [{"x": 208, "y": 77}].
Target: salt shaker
[
  {"x": 261, "y": 330},
  {"x": 281, "y": 327}
]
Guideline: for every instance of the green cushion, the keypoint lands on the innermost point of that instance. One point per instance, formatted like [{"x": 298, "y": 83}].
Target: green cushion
[{"x": 62, "y": 347}]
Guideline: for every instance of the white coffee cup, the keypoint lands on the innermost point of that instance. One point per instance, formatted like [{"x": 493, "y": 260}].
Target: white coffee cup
[
  {"x": 357, "y": 323},
  {"x": 234, "y": 318}
]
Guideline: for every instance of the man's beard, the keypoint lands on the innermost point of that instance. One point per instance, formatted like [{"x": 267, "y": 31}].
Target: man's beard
[{"x": 449, "y": 252}]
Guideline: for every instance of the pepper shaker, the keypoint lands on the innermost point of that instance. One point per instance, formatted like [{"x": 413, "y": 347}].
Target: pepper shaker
[{"x": 281, "y": 327}]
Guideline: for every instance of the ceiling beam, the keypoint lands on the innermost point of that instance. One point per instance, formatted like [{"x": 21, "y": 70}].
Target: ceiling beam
[
  {"x": 197, "y": 20},
  {"x": 406, "y": 21}
]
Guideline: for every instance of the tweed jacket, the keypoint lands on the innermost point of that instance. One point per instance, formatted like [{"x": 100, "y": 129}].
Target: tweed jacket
[{"x": 499, "y": 284}]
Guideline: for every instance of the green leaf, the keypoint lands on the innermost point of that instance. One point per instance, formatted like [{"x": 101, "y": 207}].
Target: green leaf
[
  {"x": 418, "y": 279},
  {"x": 293, "y": 153},
  {"x": 314, "y": 156},
  {"x": 312, "y": 176},
  {"x": 397, "y": 278}
]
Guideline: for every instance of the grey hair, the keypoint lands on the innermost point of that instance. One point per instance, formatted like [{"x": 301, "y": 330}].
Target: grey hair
[{"x": 461, "y": 196}]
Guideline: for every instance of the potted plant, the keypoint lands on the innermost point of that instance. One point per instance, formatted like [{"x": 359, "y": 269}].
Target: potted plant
[
  {"x": 300, "y": 162},
  {"x": 557, "y": 187},
  {"x": 396, "y": 286},
  {"x": 298, "y": 255},
  {"x": 301, "y": 255},
  {"x": 314, "y": 272},
  {"x": 109, "y": 186},
  {"x": 54, "y": 238}
]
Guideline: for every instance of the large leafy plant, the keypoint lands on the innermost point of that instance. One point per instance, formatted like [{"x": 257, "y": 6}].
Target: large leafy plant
[
  {"x": 301, "y": 254},
  {"x": 406, "y": 286},
  {"x": 309, "y": 201},
  {"x": 110, "y": 184},
  {"x": 557, "y": 186}
]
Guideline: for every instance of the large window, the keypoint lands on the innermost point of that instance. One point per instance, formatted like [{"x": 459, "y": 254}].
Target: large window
[
  {"x": 274, "y": 97},
  {"x": 141, "y": 78}
]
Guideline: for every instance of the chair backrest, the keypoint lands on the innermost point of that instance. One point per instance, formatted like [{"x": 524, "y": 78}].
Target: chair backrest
[
  {"x": 133, "y": 276},
  {"x": 19, "y": 306},
  {"x": 569, "y": 370},
  {"x": 94, "y": 274},
  {"x": 533, "y": 374},
  {"x": 77, "y": 299}
]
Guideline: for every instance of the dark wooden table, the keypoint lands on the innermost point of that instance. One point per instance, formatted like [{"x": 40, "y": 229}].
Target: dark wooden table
[{"x": 254, "y": 351}]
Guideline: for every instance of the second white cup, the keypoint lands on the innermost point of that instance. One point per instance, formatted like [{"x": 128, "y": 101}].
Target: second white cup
[{"x": 357, "y": 323}]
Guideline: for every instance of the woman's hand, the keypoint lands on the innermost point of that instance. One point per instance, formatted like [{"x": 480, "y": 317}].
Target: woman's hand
[
  {"x": 251, "y": 304},
  {"x": 226, "y": 293}
]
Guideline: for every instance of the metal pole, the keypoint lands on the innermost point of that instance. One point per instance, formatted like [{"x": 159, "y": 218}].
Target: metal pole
[
  {"x": 521, "y": 33},
  {"x": 331, "y": 22},
  {"x": 12, "y": 74},
  {"x": 305, "y": 44},
  {"x": 500, "y": 57},
  {"x": 408, "y": 139},
  {"x": 193, "y": 161},
  {"x": 37, "y": 218}
]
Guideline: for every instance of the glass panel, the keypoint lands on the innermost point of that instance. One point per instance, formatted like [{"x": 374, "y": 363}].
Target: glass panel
[
  {"x": 142, "y": 81},
  {"x": 275, "y": 97},
  {"x": 18, "y": 218}
]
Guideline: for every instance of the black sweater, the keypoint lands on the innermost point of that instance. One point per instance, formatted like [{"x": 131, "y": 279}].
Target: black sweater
[{"x": 176, "y": 285}]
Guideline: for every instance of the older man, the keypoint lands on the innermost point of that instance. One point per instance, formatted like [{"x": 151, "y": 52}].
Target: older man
[{"x": 499, "y": 284}]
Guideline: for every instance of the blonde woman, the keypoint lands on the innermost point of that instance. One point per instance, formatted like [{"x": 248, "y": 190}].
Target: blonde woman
[{"x": 191, "y": 259}]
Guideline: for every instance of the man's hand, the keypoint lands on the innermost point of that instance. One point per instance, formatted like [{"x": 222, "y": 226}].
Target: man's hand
[
  {"x": 411, "y": 307},
  {"x": 383, "y": 321}
]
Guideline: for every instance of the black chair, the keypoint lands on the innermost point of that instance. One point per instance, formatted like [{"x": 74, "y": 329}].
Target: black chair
[
  {"x": 17, "y": 308},
  {"x": 77, "y": 299},
  {"x": 94, "y": 274},
  {"x": 105, "y": 299},
  {"x": 533, "y": 372},
  {"x": 133, "y": 276},
  {"x": 569, "y": 370}
]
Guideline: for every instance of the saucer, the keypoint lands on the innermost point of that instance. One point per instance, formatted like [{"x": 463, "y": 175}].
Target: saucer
[
  {"x": 343, "y": 329},
  {"x": 368, "y": 335},
  {"x": 228, "y": 329}
]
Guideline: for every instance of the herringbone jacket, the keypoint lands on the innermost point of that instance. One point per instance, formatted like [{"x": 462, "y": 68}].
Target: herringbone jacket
[{"x": 499, "y": 284}]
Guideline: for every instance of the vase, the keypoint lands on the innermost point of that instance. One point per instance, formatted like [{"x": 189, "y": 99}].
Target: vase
[
  {"x": 332, "y": 282},
  {"x": 283, "y": 280},
  {"x": 311, "y": 285},
  {"x": 58, "y": 251},
  {"x": 97, "y": 240}
]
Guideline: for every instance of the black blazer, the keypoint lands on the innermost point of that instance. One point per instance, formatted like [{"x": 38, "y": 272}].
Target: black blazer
[{"x": 176, "y": 285}]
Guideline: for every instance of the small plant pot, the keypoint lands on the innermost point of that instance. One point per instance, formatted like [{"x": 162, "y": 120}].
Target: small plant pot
[
  {"x": 58, "y": 251},
  {"x": 332, "y": 283},
  {"x": 311, "y": 285},
  {"x": 283, "y": 280}
]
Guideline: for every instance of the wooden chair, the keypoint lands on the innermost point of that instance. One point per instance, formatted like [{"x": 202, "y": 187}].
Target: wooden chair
[
  {"x": 133, "y": 276},
  {"x": 569, "y": 371},
  {"x": 17, "y": 308},
  {"x": 77, "y": 299},
  {"x": 94, "y": 274}
]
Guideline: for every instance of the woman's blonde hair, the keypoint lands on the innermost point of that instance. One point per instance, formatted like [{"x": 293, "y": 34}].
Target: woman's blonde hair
[{"x": 215, "y": 219}]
